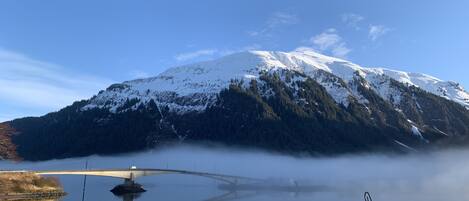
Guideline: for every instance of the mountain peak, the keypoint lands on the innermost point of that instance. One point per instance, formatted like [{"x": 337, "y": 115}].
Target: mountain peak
[
  {"x": 298, "y": 101},
  {"x": 208, "y": 78}
]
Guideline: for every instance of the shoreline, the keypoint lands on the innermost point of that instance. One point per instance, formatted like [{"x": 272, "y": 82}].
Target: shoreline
[
  {"x": 29, "y": 186},
  {"x": 32, "y": 196}
]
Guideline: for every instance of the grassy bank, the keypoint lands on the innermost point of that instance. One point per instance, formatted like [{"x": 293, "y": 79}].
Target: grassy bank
[{"x": 17, "y": 184}]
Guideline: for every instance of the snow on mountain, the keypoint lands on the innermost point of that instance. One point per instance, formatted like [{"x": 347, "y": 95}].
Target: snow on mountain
[
  {"x": 194, "y": 87},
  {"x": 447, "y": 89}
]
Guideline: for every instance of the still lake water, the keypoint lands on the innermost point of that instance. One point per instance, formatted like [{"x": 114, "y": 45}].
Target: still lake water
[{"x": 422, "y": 177}]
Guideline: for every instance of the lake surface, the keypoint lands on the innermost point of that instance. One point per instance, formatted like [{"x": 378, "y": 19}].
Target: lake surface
[{"x": 419, "y": 177}]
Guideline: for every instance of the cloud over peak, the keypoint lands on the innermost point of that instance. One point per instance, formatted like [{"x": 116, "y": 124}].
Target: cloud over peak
[
  {"x": 377, "y": 31},
  {"x": 280, "y": 18},
  {"x": 329, "y": 41},
  {"x": 352, "y": 20},
  {"x": 212, "y": 53},
  {"x": 275, "y": 21},
  {"x": 195, "y": 54}
]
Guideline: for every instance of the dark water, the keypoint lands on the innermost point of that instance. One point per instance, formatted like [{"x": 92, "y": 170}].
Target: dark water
[{"x": 436, "y": 176}]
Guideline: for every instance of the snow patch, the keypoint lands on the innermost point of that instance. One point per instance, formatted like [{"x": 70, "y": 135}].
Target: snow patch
[
  {"x": 194, "y": 87},
  {"x": 416, "y": 132},
  {"x": 405, "y": 146}
]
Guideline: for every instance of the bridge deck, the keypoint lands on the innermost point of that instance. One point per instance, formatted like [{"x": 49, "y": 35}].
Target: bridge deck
[{"x": 132, "y": 174}]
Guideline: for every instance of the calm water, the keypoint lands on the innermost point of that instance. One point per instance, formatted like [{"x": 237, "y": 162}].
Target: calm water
[{"x": 436, "y": 176}]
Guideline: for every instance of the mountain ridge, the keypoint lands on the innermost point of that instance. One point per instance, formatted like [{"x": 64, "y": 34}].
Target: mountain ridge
[
  {"x": 211, "y": 77},
  {"x": 294, "y": 102}
]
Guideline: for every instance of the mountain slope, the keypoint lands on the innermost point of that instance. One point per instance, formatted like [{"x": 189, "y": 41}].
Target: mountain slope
[
  {"x": 296, "y": 102},
  {"x": 201, "y": 81}
]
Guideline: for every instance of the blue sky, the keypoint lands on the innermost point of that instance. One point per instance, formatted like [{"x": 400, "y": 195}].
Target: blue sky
[{"x": 53, "y": 52}]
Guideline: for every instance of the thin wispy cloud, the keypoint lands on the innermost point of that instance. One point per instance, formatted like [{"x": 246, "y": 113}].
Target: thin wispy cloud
[
  {"x": 330, "y": 42},
  {"x": 327, "y": 39},
  {"x": 352, "y": 20},
  {"x": 377, "y": 31},
  {"x": 242, "y": 49},
  {"x": 31, "y": 83},
  {"x": 212, "y": 53},
  {"x": 276, "y": 20},
  {"x": 195, "y": 54},
  {"x": 137, "y": 74},
  {"x": 281, "y": 18},
  {"x": 355, "y": 20}
]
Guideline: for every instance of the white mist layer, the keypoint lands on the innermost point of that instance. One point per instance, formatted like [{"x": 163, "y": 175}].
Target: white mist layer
[{"x": 435, "y": 176}]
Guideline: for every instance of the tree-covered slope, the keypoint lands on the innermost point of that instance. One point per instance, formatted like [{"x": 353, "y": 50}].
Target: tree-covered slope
[
  {"x": 298, "y": 102},
  {"x": 285, "y": 111}
]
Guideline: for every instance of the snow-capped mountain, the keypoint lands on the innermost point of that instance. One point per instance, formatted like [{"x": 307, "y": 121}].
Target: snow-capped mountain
[
  {"x": 293, "y": 102},
  {"x": 198, "y": 84}
]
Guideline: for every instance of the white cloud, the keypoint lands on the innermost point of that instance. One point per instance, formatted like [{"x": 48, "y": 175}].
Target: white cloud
[
  {"x": 242, "y": 49},
  {"x": 329, "y": 41},
  {"x": 195, "y": 54},
  {"x": 352, "y": 20},
  {"x": 281, "y": 18},
  {"x": 137, "y": 74},
  {"x": 276, "y": 20},
  {"x": 213, "y": 53},
  {"x": 40, "y": 86},
  {"x": 376, "y": 31},
  {"x": 340, "y": 51},
  {"x": 253, "y": 33},
  {"x": 326, "y": 39}
]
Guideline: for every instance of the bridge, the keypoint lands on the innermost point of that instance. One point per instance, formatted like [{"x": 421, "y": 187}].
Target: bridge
[
  {"x": 129, "y": 175},
  {"x": 134, "y": 173}
]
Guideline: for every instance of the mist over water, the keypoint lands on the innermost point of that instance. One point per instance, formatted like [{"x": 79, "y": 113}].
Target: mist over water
[{"x": 419, "y": 177}]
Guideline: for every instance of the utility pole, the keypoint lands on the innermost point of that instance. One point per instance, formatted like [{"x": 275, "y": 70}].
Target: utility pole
[{"x": 84, "y": 182}]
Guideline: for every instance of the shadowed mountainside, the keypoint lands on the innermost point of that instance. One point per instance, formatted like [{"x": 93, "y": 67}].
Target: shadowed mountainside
[{"x": 285, "y": 112}]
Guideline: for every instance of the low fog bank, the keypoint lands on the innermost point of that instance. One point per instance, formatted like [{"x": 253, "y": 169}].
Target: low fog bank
[{"x": 434, "y": 176}]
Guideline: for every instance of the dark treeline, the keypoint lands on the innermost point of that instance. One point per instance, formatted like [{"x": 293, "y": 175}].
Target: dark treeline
[{"x": 280, "y": 113}]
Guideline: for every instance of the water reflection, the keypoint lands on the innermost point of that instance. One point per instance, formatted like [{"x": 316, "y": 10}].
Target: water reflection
[
  {"x": 227, "y": 196},
  {"x": 129, "y": 196},
  {"x": 224, "y": 196},
  {"x": 244, "y": 191}
]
